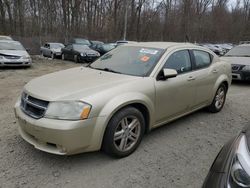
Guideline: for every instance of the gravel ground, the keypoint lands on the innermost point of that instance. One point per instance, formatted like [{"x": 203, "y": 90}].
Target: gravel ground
[{"x": 176, "y": 155}]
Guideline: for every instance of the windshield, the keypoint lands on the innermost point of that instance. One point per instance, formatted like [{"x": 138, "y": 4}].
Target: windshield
[
  {"x": 130, "y": 60},
  {"x": 80, "y": 47},
  {"x": 82, "y": 41},
  {"x": 240, "y": 51},
  {"x": 56, "y": 45},
  {"x": 11, "y": 46}
]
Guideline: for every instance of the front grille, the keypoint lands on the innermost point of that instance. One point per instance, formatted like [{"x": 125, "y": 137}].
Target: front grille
[
  {"x": 235, "y": 67},
  {"x": 91, "y": 55},
  {"x": 12, "y": 57},
  {"x": 33, "y": 107}
]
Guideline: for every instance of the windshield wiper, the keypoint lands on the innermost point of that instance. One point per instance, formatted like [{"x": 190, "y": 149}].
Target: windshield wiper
[{"x": 105, "y": 69}]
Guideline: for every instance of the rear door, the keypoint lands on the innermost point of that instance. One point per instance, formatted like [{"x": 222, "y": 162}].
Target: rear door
[
  {"x": 206, "y": 73},
  {"x": 174, "y": 96}
]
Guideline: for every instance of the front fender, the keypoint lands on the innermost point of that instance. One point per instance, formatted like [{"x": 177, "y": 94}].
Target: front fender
[
  {"x": 125, "y": 99},
  {"x": 117, "y": 103}
]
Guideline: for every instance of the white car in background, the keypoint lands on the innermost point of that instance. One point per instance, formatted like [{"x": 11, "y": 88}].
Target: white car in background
[
  {"x": 52, "y": 49},
  {"x": 4, "y": 37},
  {"x": 12, "y": 53},
  {"x": 239, "y": 57}
]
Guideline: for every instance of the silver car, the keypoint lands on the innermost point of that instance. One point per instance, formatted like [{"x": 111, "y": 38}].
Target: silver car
[
  {"x": 52, "y": 50},
  {"x": 12, "y": 53},
  {"x": 125, "y": 93}
]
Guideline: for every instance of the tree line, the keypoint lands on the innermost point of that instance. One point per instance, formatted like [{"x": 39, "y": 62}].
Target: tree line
[{"x": 147, "y": 20}]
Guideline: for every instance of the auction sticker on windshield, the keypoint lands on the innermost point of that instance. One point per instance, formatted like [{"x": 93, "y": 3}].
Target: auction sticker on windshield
[{"x": 148, "y": 51}]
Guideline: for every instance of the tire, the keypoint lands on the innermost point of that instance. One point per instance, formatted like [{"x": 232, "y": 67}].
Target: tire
[
  {"x": 76, "y": 60},
  {"x": 219, "y": 99},
  {"x": 63, "y": 57},
  {"x": 129, "y": 126}
]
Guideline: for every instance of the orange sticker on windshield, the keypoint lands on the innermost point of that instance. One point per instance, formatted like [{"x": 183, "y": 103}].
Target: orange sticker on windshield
[{"x": 145, "y": 58}]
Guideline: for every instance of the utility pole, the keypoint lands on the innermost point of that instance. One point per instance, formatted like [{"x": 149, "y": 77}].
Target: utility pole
[{"x": 125, "y": 20}]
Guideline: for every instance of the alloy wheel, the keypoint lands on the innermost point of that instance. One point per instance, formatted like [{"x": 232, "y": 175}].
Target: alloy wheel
[{"x": 127, "y": 133}]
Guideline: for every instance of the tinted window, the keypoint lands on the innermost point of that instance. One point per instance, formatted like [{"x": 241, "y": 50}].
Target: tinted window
[
  {"x": 180, "y": 61},
  {"x": 202, "y": 59}
]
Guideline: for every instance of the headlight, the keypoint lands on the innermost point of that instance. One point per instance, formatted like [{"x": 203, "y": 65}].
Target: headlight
[
  {"x": 240, "y": 169},
  {"x": 26, "y": 58},
  {"x": 246, "y": 68},
  {"x": 83, "y": 54},
  {"x": 97, "y": 54},
  {"x": 68, "y": 110}
]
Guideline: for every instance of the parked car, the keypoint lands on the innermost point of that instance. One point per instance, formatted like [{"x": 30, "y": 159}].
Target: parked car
[
  {"x": 215, "y": 48},
  {"x": 129, "y": 91},
  {"x": 52, "y": 49},
  {"x": 12, "y": 53},
  {"x": 79, "y": 53},
  {"x": 4, "y": 37},
  {"x": 226, "y": 46},
  {"x": 231, "y": 168},
  {"x": 239, "y": 58},
  {"x": 121, "y": 42},
  {"x": 80, "y": 41},
  {"x": 104, "y": 48}
]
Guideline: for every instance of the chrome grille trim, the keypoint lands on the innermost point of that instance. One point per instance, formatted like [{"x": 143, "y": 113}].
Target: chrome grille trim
[
  {"x": 236, "y": 67},
  {"x": 33, "y": 107}
]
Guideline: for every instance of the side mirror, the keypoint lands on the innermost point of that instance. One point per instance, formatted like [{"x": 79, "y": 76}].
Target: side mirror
[{"x": 169, "y": 73}]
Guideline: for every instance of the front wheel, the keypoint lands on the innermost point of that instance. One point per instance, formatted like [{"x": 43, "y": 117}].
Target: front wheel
[
  {"x": 124, "y": 132},
  {"x": 219, "y": 99},
  {"x": 76, "y": 59},
  {"x": 63, "y": 57}
]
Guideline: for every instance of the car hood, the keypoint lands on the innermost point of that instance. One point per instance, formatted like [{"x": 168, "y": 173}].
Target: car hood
[
  {"x": 74, "y": 84},
  {"x": 237, "y": 60},
  {"x": 14, "y": 52}
]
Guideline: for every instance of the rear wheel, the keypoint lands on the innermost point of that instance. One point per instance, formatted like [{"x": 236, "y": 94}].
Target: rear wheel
[
  {"x": 219, "y": 99},
  {"x": 124, "y": 132}
]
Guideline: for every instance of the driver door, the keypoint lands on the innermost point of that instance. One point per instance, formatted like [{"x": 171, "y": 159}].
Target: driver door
[{"x": 174, "y": 96}]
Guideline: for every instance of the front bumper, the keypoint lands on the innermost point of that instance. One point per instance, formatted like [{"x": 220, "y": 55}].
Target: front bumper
[
  {"x": 59, "y": 136},
  {"x": 14, "y": 63},
  {"x": 241, "y": 75}
]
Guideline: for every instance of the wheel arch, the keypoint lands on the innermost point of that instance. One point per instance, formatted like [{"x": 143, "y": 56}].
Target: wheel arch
[{"x": 138, "y": 101}]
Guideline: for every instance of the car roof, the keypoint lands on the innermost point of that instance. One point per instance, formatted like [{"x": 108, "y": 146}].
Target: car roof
[{"x": 163, "y": 45}]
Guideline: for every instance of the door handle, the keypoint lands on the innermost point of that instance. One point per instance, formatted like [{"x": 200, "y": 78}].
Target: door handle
[
  {"x": 215, "y": 71},
  {"x": 190, "y": 78}
]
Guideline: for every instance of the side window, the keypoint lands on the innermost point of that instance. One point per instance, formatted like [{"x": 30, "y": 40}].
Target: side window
[
  {"x": 202, "y": 59},
  {"x": 180, "y": 61}
]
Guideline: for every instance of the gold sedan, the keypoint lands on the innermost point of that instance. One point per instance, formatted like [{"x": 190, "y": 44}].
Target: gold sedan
[{"x": 115, "y": 100}]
